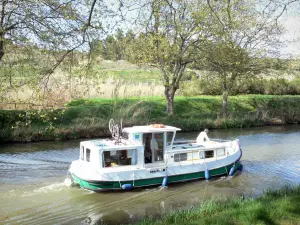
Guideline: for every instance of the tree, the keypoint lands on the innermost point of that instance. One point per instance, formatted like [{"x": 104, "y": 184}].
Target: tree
[
  {"x": 128, "y": 43},
  {"x": 174, "y": 30},
  {"x": 46, "y": 24},
  {"x": 119, "y": 48},
  {"x": 37, "y": 36},
  {"x": 113, "y": 47},
  {"x": 242, "y": 37}
]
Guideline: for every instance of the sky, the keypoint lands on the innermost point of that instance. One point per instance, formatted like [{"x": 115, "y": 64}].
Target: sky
[{"x": 292, "y": 35}]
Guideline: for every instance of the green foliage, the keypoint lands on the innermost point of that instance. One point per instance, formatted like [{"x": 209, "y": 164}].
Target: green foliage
[
  {"x": 208, "y": 86},
  {"x": 26, "y": 118},
  {"x": 251, "y": 86},
  {"x": 8, "y": 117},
  {"x": 114, "y": 47},
  {"x": 202, "y": 86},
  {"x": 282, "y": 87},
  {"x": 232, "y": 53},
  {"x": 89, "y": 117}
]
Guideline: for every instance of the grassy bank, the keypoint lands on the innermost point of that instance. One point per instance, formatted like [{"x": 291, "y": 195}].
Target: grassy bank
[
  {"x": 89, "y": 117},
  {"x": 274, "y": 207}
]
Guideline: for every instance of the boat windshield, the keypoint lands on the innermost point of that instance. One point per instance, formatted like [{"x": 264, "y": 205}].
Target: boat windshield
[{"x": 169, "y": 138}]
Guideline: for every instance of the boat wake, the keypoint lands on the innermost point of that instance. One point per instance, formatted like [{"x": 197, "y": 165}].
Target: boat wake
[
  {"x": 68, "y": 182},
  {"x": 56, "y": 187}
]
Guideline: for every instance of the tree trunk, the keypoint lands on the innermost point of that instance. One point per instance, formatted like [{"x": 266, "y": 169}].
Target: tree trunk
[
  {"x": 224, "y": 104},
  {"x": 169, "y": 94},
  {"x": 1, "y": 47}
]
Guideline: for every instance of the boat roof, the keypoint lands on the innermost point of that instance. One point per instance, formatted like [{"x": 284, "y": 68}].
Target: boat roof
[
  {"x": 149, "y": 129},
  {"x": 109, "y": 144}
]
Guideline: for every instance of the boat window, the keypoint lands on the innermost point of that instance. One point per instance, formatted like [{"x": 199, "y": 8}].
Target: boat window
[
  {"x": 88, "y": 154},
  {"x": 82, "y": 153},
  {"x": 119, "y": 158},
  {"x": 209, "y": 154},
  {"x": 220, "y": 152},
  {"x": 180, "y": 157},
  {"x": 206, "y": 154},
  {"x": 169, "y": 138}
]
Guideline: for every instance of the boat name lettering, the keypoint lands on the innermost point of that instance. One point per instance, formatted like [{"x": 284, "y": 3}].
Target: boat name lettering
[{"x": 157, "y": 170}]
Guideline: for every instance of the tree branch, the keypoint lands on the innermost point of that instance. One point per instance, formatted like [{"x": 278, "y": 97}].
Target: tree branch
[
  {"x": 88, "y": 24},
  {"x": 213, "y": 11}
]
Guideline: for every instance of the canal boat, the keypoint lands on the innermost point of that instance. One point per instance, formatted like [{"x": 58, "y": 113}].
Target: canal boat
[{"x": 141, "y": 156}]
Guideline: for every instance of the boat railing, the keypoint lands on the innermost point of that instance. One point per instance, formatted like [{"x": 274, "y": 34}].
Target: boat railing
[
  {"x": 186, "y": 141},
  {"x": 220, "y": 140},
  {"x": 183, "y": 141}
]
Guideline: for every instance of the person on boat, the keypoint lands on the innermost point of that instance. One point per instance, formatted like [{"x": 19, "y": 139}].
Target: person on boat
[
  {"x": 154, "y": 146},
  {"x": 147, "y": 148},
  {"x": 202, "y": 137},
  {"x": 153, "y": 143}
]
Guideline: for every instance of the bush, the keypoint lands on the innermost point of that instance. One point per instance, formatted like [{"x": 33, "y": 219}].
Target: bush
[
  {"x": 250, "y": 86},
  {"x": 282, "y": 87},
  {"x": 202, "y": 86},
  {"x": 207, "y": 86}
]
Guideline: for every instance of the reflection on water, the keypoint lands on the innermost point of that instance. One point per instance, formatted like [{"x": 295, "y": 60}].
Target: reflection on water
[{"x": 33, "y": 188}]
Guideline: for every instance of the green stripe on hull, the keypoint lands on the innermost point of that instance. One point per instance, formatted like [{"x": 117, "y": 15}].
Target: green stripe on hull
[{"x": 106, "y": 185}]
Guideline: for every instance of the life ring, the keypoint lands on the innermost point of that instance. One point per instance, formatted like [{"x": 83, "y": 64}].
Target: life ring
[{"x": 158, "y": 125}]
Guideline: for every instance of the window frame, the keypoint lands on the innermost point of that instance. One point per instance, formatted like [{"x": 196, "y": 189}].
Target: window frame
[
  {"x": 168, "y": 134},
  {"x": 82, "y": 153},
  {"x": 119, "y": 153},
  {"x": 203, "y": 154},
  {"x": 181, "y": 158},
  {"x": 87, "y": 155},
  {"x": 206, "y": 153}
]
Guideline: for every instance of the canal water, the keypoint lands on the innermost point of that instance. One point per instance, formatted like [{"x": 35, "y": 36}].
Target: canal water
[{"x": 33, "y": 188}]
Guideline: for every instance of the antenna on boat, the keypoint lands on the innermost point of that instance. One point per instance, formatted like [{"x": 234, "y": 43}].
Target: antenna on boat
[{"x": 115, "y": 130}]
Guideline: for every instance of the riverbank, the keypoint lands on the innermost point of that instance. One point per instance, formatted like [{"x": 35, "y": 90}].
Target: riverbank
[
  {"x": 273, "y": 207},
  {"x": 88, "y": 118}
]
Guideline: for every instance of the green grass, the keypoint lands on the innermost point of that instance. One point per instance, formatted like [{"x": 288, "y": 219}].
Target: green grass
[
  {"x": 131, "y": 75},
  {"x": 273, "y": 207},
  {"x": 207, "y": 108},
  {"x": 89, "y": 117}
]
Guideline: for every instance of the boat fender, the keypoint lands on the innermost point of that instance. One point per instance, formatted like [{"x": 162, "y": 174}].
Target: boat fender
[
  {"x": 240, "y": 168},
  {"x": 207, "y": 175},
  {"x": 232, "y": 170},
  {"x": 165, "y": 182},
  {"x": 127, "y": 186}
]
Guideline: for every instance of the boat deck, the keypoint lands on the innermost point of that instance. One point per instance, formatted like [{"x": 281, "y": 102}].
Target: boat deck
[{"x": 192, "y": 145}]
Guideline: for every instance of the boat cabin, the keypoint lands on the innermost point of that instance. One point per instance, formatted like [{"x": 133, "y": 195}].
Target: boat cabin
[
  {"x": 139, "y": 146},
  {"x": 148, "y": 146},
  {"x": 157, "y": 140}
]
